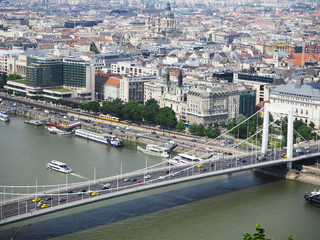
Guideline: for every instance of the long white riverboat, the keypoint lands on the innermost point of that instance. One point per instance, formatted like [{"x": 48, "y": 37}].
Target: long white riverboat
[
  {"x": 106, "y": 139},
  {"x": 59, "y": 166},
  {"x": 154, "y": 150},
  {"x": 4, "y": 117}
]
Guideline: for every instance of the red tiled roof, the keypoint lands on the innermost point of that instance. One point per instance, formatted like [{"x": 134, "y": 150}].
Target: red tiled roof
[
  {"x": 297, "y": 58},
  {"x": 113, "y": 81}
]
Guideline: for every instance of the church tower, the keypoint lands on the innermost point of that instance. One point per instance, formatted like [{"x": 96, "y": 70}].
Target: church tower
[
  {"x": 167, "y": 81},
  {"x": 179, "y": 89},
  {"x": 149, "y": 26},
  {"x": 180, "y": 79},
  {"x": 276, "y": 56}
]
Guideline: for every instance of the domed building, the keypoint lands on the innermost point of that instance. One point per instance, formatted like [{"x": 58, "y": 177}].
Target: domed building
[
  {"x": 164, "y": 27},
  {"x": 168, "y": 24}
]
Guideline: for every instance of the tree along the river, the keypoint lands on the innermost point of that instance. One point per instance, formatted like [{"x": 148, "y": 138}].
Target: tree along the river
[
  {"x": 151, "y": 108},
  {"x": 166, "y": 118}
]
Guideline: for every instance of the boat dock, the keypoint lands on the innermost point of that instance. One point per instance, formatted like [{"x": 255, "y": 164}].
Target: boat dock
[{"x": 36, "y": 122}]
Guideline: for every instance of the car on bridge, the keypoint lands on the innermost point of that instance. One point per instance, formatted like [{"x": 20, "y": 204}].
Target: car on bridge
[
  {"x": 200, "y": 166},
  {"x": 106, "y": 186},
  {"x": 94, "y": 194},
  {"x": 82, "y": 191},
  {"x": 284, "y": 155},
  {"x": 45, "y": 205},
  {"x": 36, "y": 199}
]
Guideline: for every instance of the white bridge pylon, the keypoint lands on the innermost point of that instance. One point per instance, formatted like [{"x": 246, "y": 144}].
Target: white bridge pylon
[{"x": 284, "y": 110}]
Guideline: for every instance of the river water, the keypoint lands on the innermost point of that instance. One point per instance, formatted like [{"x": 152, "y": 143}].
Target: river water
[{"x": 222, "y": 207}]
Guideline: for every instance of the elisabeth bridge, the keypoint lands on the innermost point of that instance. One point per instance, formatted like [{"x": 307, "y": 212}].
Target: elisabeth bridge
[{"x": 22, "y": 202}]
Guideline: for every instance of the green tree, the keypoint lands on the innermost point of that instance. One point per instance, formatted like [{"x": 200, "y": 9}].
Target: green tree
[
  {"x": 116, "y": 107},
  {"x": 240, "y": 118},
  {"x": 93, "y": 48},
  {"x": 180, "y": 126},
  {"x": 14, "y": 76},
  {"x": 166, "y": 117},
  {"x": 3, "y": 80},
  {"x": 216, "y": 132},
  {"x": 193, "y": 128},
  {"x": 132, "y": 110},
  {"x": 311, "y": 124},
  {"x": 94, "y": 106},
  {"x": 106, "y": 107},
  {"x": 200, "y": 130},
  {"x": 259, "y": 235},
  {"x": 151, "y": 109},
  {"x": 232, "y": 124}
]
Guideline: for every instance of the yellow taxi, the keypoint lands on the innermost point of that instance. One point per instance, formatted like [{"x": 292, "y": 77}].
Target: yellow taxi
[
  {"x": 200, "y": 166},
  {"x": 45, "y": 205},
  {"x": 94, "y": 194},
  {"x": 36, "y": 199}
]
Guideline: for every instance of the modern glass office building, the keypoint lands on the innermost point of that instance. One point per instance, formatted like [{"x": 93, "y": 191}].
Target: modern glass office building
[
  {"x": 44, "y": 71},
  {"x": 75, "y": 73}
]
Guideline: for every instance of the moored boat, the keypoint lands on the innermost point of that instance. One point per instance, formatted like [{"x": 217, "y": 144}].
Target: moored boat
[
  {"x": 59, "y": 166},
  {"x": 313, "y": 198},
  {"x": 55, "y": 130},
  {"x": 154, "y": 150},
  {"x": 102, "y": 138},
  {"x": 4, "y": 117},
  {"x": 34, "y": 122}
]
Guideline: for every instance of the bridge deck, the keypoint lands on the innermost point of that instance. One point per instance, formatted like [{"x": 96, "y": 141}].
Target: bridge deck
[{"x": 22, "y": 208}]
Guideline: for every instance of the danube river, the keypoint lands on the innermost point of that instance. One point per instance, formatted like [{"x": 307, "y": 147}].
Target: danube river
[{"x": 222, "y": 207}]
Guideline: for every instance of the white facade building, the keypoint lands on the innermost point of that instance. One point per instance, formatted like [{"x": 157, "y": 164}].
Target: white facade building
[
  {"x": 133, "y": 69},
  {"x": 304, "y": 98},
  {"x": 133, "y": 88}
]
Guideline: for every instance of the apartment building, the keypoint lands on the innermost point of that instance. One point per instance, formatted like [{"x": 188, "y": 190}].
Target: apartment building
[
  {"x": 133, "y": 69},
  {"x": 133, "y": 87}
]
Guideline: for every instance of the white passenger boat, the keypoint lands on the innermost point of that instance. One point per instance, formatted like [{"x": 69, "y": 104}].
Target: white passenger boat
[
  {"x": 55, "y": 130},
  {"x": 4, "y": 117},
  {"x": 154, "y": 150},
  {"x": 59, "y": 166},
  {"x": 106, "y": 139}
]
